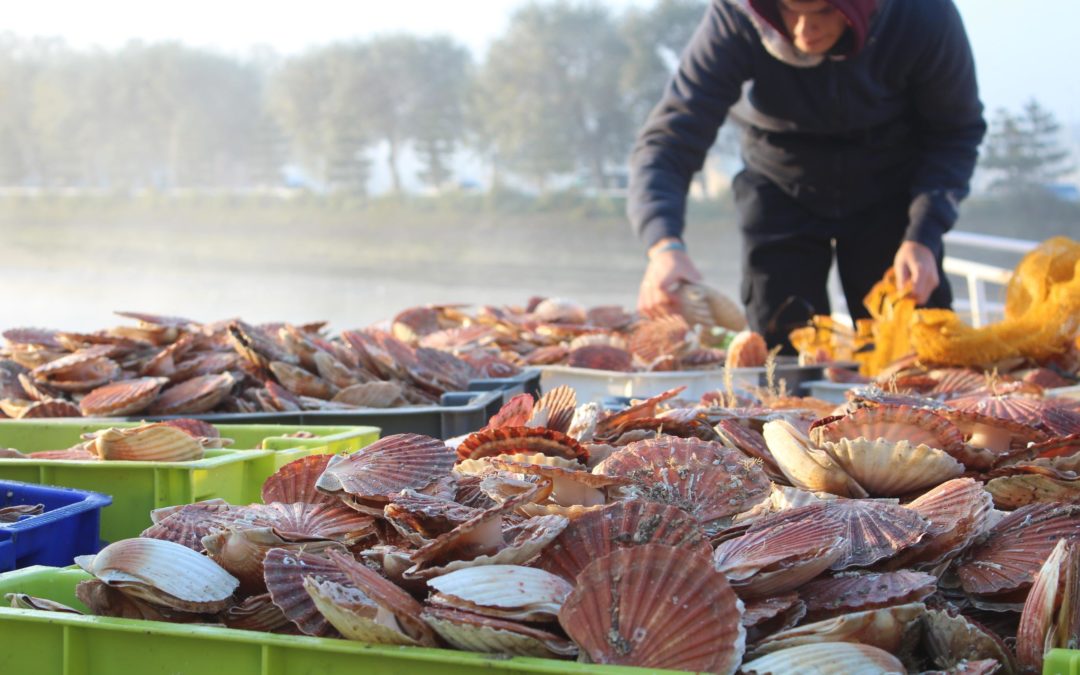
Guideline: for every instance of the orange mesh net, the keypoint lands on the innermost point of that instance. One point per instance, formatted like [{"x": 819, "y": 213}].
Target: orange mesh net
[{"x": 1042, "y": 319}]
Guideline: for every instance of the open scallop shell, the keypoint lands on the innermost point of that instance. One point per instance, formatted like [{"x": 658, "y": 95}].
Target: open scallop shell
[
  {"x": 655, "y": 338},
  {"x": 147, "y": 443},
  {"x": 188, "y": 524},
  {"x": 372, "y": 395},
  {"x": 24, "y": 601},
  {"x": 257, "y": 612},
  {"x": 621, "y": 525},
  {"x": 1014, "y": 550},
  {"x": 194, "y": 396},
  {"x": 163, "y": 573},
  {"x": 126, "y": 397},
  {"x": 514, "y": 440},
  {"x": 845, "y": 593},
  {"x": 473, "y": 632},
  {"x": 952, "y": 640},
  {"x": 806, "y": 466},
  {"x": 884, "y": 628},
  {"x": 514, "y": 413},
  {"x": 47, "y": 409},
  {"x": 284, "y": 573},
  {"x": 420, "y": 518},
  {"x": 778, "y": 558},
  {"x": 917, "y": 426},
  {"x": 295, "y": 482},
  {"x": 892, "y": 468},
  {"x": 735, "y": 434},
  {"x": 1012, "y": 492},
  {"x": 711, "y": 482},
  {"x": 569, "y": 487},
  {"x": 647, "y": 408},
  {"x": 768, "y": 615},
  {"x": 656, "y": 607},
  {"x": 958, "y": 511},
  {"x": 104, "y": 600},
  {"x": 502, "y": 591},
  {"x": 388, "y": 466},
  {"x": 355, "y": 615},
  {"x": 826, "y": 658},
  {"x": 999, "y": 436},
  {"x": 1019, "y": 408}
]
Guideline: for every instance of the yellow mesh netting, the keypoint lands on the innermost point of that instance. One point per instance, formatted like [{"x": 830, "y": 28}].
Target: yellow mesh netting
[{"x": 1042, "y": 320}]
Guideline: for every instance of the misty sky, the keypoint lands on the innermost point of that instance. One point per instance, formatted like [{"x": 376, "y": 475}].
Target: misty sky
[{"x": 1019, "y": 53}]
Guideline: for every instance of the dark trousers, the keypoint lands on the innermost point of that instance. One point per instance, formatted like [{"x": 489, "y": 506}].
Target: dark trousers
[{"x": 788, "y": 251}]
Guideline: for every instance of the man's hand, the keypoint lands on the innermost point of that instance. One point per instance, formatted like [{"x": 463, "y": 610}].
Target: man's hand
[
  {"x": 916, "y": 268},
  {"x": 667, "y": 269}
]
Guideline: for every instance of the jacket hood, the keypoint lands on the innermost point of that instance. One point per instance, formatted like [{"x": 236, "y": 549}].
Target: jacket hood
[{"x": 858, "y": 13}]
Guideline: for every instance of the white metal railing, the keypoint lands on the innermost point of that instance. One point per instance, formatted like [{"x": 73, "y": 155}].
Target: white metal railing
[{"x": 976, "y": 275}]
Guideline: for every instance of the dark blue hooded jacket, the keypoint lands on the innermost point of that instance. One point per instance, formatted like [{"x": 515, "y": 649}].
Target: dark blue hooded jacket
[{"x": 839, "y": 134}]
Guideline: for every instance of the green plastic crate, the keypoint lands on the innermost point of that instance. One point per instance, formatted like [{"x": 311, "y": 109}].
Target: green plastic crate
[
  {"x": 49, "y": 643},
  {"x": 137, "y": 488},
  {"x": 1062, "y": 662}
]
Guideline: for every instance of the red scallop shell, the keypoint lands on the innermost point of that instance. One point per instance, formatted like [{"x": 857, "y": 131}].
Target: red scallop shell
[
  {"x": 77, "y": 453},
  {"x": 642, "y": 409},
  {"x": 1014, "y": 550},
  {"x": 187, "y": 525},
  {"x": 1061, "y": 421},
  {"x": 958, "y": 511},
  {"x": 513, "y": 440},
  {"x": 826, "y": 598},
  {"x": 769, "y": 615},
  {"x": 893, "y": 423},
  {"x": 197, "y": 395},
  {"x": 32, "y": 336},
  {"x": 158, "y": 319},
  {"x": 388, "y": 466},
  {"x": 752, "y": 443},
  {"x": 284, "y": 573},
  {"x": 125, "y": 397},
  {"x": 611, "y": 317},
  {"x": 194, "y": 428},
  {"x": 50, "y": 409},
  {"x": 546, "y": 356},
  {"x": 1018, "y": 408},
  {"x": 514, "y": 413},
  {"x": 655, "y": 607},
  {"x": 658, "y": 338},
  {"x": 295, "y": 482},
  {"x": 257, "y": 612},
  {"x": 595, "y": 534},
  {"x": 601, "y": 357},
  {"x": 747, "y": 350},
  {"x": 872, "y": 530}
]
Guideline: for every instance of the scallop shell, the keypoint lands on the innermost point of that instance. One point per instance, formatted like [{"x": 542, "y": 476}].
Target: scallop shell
[
  {"x": 503, "y": 592},
  {"x": 554, "y": 410},
  {"x": 1017, "y": 408},
  {"x": 257, "y": 612},
  {"x": 1055, "y": 589},
  {"x": 893, "y": 423},
  {"x": 163, "y": 573},
  {"x": 241, "y": 552},
  {"x": 24, "y": 601},
  {"x": 884, "y": 628},
  {"x": 778, "y": 558},
  {"x": 612, "y": 317},
  {"x": 284, "y": 573},
  {"x": 389, "y": 465},
  {"x": 890, "y": 468},
  {"x": 807, "y": 467},
  {"x": 569, "y": 487},
  {"x": 36, "y": 391},
  {"x": 420, "y": 518},
  {"x": 301, "y": 382},
  {"x": 386, "y": 595},
  {"x": 194, "y": 428},
  {"x": 295, "y": 482},
  {"x": 353, "y": 614},
  {"x": 104, "y": 600},
  {"x": 958, "y": 511},
  {"x": 372, "y": 395},
  {"x": 546, "y": 356},
  {"x": 509, "y": 440},
  {"x": 256, "y": 346},
  {"x": 601, "y": 357},
  {"x": 873, "y": 530},
  {"x": 476, "y": 633},
  {"x": 705, "y": 479},
  {"x": 1000, "y": 436},
  {"x": 747, "y": 350},
  {"x": 655, "y": 607},
  {"x": 953, "y": 640},
  {"x": 77, "y": 453},
  {"x": 31, "y": 336},
  {"x": 415, "y": 322},
  {"x": 51, "y": 408},
  {"x": 825, "y": 598},
  {"x": 620, "y": 525},
  {"x": 735, "y": 434},
  {"x": 826, "y": 658},
  {"x": 194, "y": 396},
  {"x": 188, "y": 524},
  {"x": 147, "y": 443},
  {"x": 656, "y": 338},
  {"x": 514, "y": 413},
  {"x": 1014, "y": 550},
  {"x": 1012, "y": 492},
  {"x": 125, "y": 397},
  {"x": 1061, "y": 421}
]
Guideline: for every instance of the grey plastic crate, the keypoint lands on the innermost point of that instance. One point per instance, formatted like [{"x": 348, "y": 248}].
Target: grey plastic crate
[{"x": 525, "y": 382}]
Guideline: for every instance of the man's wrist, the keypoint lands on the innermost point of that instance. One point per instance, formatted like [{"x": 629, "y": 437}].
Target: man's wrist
[{"x": 664, "y": 245}]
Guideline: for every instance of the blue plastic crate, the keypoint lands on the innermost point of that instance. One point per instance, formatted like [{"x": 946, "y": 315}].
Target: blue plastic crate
[{"x": 69, "y": 526}]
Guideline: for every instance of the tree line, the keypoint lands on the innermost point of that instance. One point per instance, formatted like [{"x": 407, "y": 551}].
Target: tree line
[{"x": 561, "y": 92}]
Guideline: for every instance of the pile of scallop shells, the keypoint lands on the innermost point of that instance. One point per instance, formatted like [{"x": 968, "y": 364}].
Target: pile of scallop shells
[
  {"x": 168, "y": 366},
  {"x": 766, "y": 537}
]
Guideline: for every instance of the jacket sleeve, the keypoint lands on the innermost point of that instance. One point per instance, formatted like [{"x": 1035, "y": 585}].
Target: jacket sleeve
[
  {"x": 950, "y": 125},
  {"x": 675, "y": 139}
]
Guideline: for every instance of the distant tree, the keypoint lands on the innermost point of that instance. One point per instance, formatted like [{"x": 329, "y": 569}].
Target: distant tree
[
  {"x": 437, "y": 124},
  {"x": 1025, "y": 150},
  {"x": 550, "y": 92}
]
